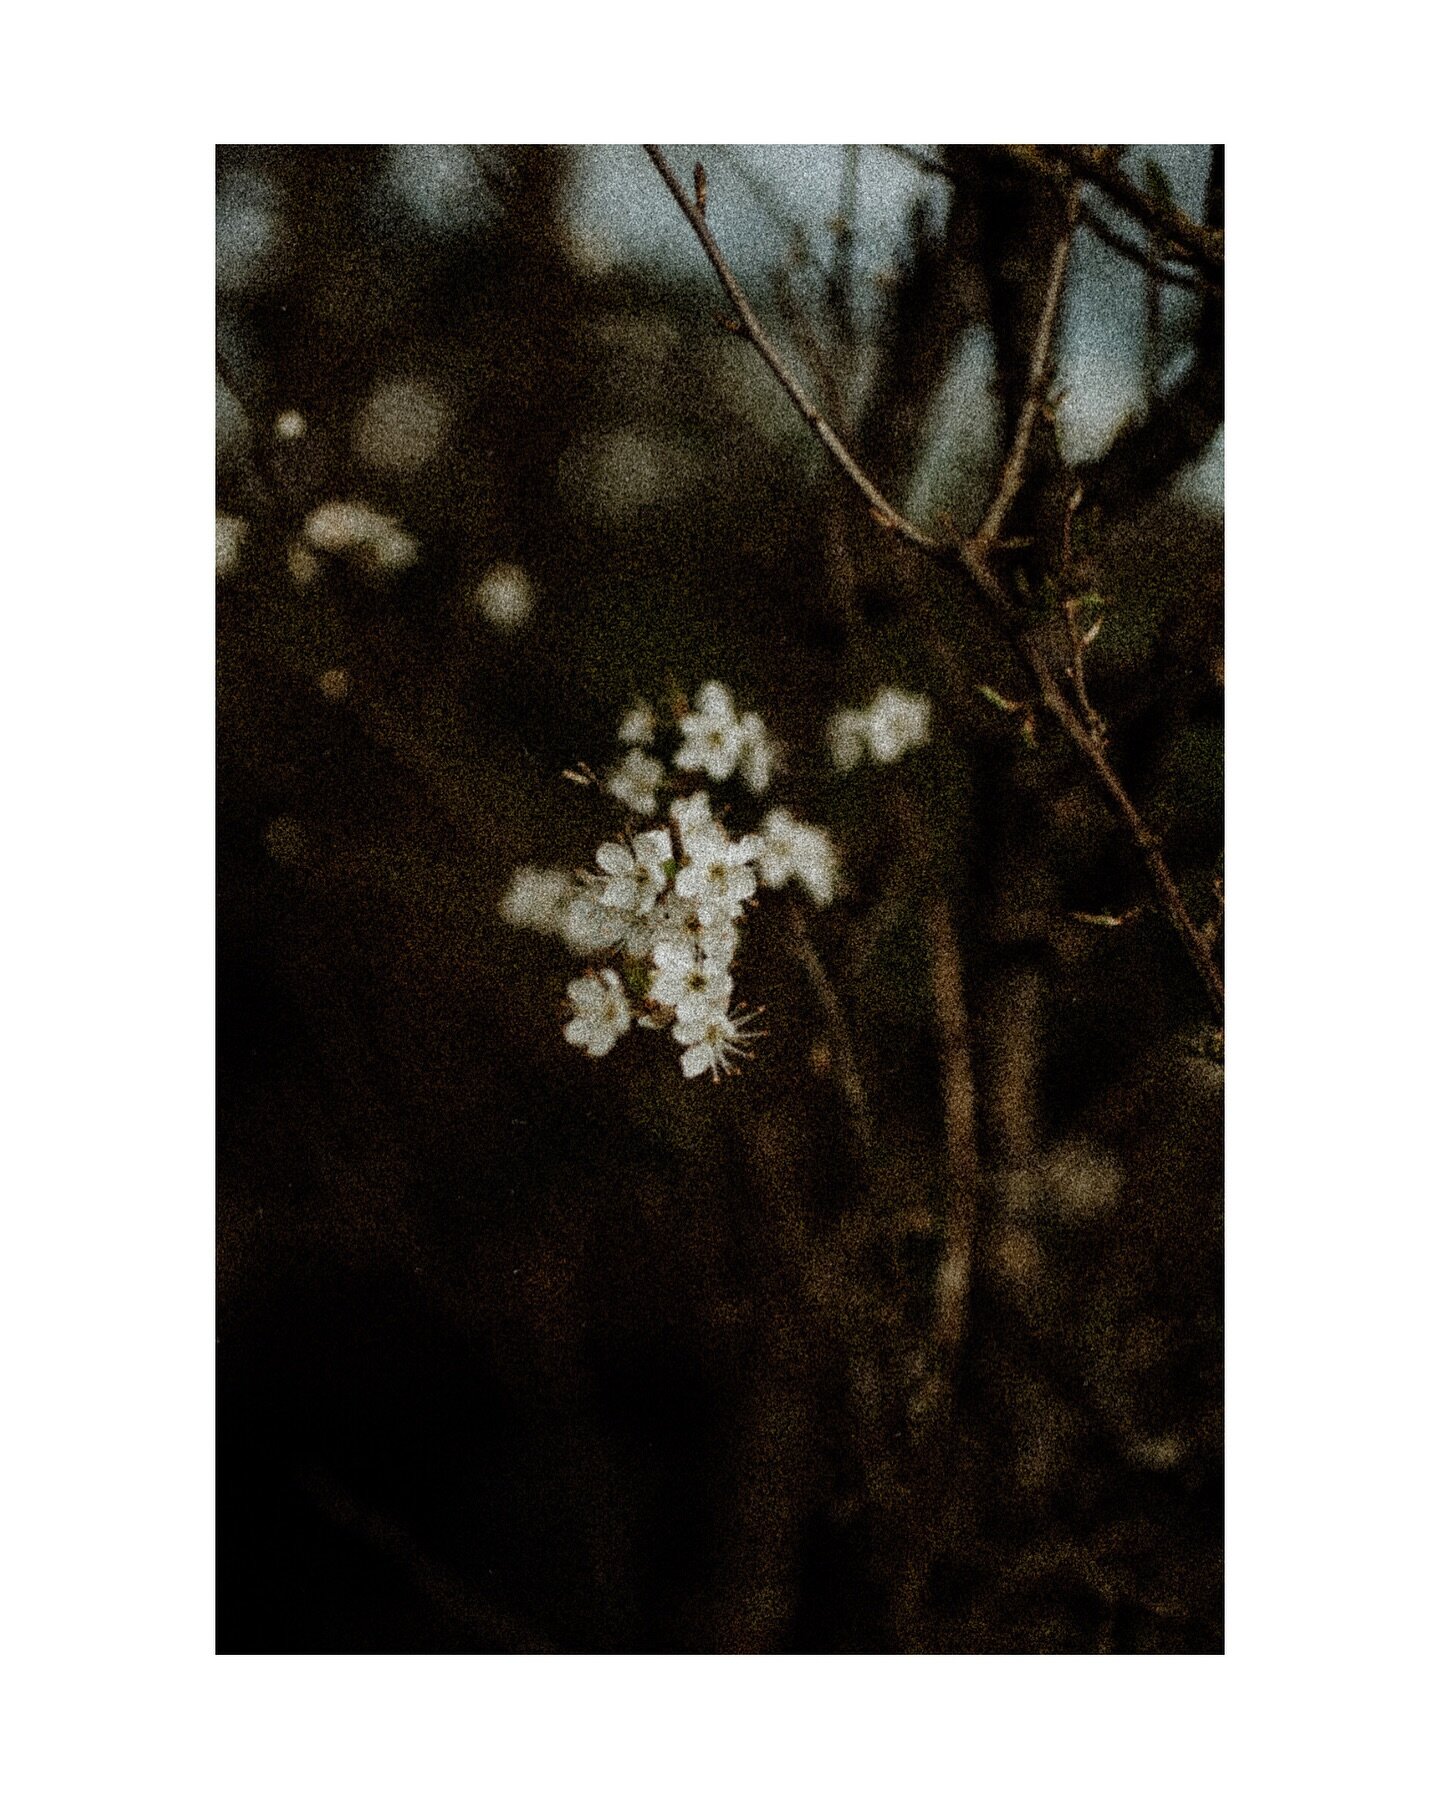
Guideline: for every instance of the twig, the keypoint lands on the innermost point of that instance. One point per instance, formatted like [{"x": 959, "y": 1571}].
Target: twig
[
  {"x": 1092, "y": 752},
  {"x": 1160, "y": 266},
  {"x": 1078, "y": 640},
  {"x": 949, "y": 554},
  {"x": 1206, "y": 244},
  {"x": 1012, "y": 475},
  {"x": 1147, "y": 451},
  {"x": 972, "y": 560},
  {"x": 889, "y": 516},
  {"x": 1155, "y": 265},
  {"x": 1092, "y": 718}
]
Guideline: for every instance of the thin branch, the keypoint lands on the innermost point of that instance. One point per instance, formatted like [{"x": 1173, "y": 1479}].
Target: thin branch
[
  {"x": 1160, "y": 266},
  {"x": 1012, "y": 475},
  {"x": 1206, "y": 244},
  {"x": 1154, "y": 265},
  {"x": 1077, "y": 668},
  {"x": 889, "y": 516},
  {"x": 951, "y": 554},
  {"x": 972, "y": 559},
  {"x": 1092, "y": 752},
  {"x": 1078, "y": 639},
  {"x": 1147, "y": 451}
]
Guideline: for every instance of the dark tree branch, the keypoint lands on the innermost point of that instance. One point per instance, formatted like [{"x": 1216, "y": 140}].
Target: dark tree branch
[
  {"x": 1204, "y": 243},
  {"x": 1180, "y": 426},
  {"x": 888, "y": 515},
  {"x": 1012, "y": 474},
  {"x": 971, "y": 559},
  {"x": 929, "y": 308},
  {"x": 1144, "y": 256}
]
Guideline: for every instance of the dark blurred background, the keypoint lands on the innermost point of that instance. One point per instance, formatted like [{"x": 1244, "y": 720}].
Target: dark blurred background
[{"x": 524, "y": 1353}]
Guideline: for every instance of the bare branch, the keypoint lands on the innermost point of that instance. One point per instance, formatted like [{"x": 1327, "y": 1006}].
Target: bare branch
[
  {"x": 972, "y": 559},
  {"x": 1012, "y": 475},
  {"x": 1148, "y": 450},
  {"x": 887, "y": 515},
  {"x": 1079, "y": 640},
  {"x": 1154, "y": 263},
  {"x": 1092, "y": 752},
  {"x": 1205, "y": 243}
]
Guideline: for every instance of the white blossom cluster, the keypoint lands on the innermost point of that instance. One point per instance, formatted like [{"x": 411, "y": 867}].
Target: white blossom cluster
[
  {"x": 666, "y": 903},
  {"x": 715, "y": 741},
  {"x": 894, "y": 723}
]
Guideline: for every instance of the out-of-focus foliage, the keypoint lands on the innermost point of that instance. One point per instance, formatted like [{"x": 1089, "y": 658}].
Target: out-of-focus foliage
[{"x": 521, "y": 1352}]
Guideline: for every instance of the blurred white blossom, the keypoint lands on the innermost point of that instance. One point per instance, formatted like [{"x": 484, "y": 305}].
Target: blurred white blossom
[
  {"x": 504, "y": 596},
  {"x": 712, "y": 739},
  {"x": 229, "y": 537},
  {"x": 591, "y": 926},
  {"x": 537, "y": 899},
  {"x": 689, "y": 981},
  {"x": 717, "y": 876},
  {"x": 757, "y": 753},
  {"x": 899, "y": 722},
  {"x": 637, "y": 727},
  {"x": 602, "y": 1013},
  {"x": 894, "y": 723},
  {"x": 693, "y": 819},
  {"x": 636, "y": 782},
  {"x": 790, "y": 849},
  {"x": 351, "y": 528},
  {"x": 634, "y": 878}
]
